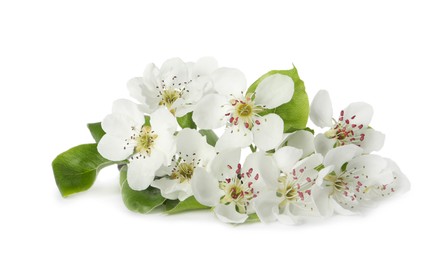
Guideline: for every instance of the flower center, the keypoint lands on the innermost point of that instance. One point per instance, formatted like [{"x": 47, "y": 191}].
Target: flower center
[
  {"x": 291, "y": 190},
  {"x": 183, "y": 172},
  {"x": 145, "y": 140},
  {"x": 168, "y": 97},
  {"x": 239, "y": 189},
  {"x": 344, "y": 131},
  {"x": 244, "y": 111}
]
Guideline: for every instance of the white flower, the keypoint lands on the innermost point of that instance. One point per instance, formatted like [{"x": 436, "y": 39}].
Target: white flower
[
  {"x": 240, "y": 113},
  {"x": 289, "y": 198},
  {"x": 230, "y": 187},
  {"x": 176, "y": 85},
  {"x": 193, "y": 152},
  {"x": 398, "y": 184},
  {"x": 348, "y": 178},
  {"x": 352, "y": 126},
  {"x": 146, "y": 147}
]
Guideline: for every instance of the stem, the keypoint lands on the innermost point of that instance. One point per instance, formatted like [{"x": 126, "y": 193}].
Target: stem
[{"x": 253, "y": 148}]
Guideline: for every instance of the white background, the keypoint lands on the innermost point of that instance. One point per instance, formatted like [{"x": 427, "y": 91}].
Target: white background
[{"x": 62, "y": 63}]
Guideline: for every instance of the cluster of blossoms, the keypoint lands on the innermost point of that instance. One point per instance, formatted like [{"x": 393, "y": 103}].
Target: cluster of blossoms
[{"x": 289, "y": 176}]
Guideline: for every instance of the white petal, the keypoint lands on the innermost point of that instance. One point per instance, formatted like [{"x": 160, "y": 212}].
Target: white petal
[
  {"x": 136, "y": 87},
  {"x": 167, "y": 188},
  {"x": 228, "y": 214},
  {"x": 162, "y": 120},
  {"x": 141, "y": 171},
  {"x": 234, "y": 137},
  {"x": 151, "y": 77},
  {"x": 165, "y": 144},
  {"x": 322, "y": 173},
  {"x": 128, "y": 108},
  {"x": 321, "y": 109},
  {"x": 274, "y": 91},
  {"x": 342, "y": 211},
  {"x": 359, "y": 113},
  {"x": 323, "y": 201},
  {"x": 269, "y": 134},
  {"x": 303, "y": 140},
  {"x": 265, "y": 166},
  {"x": 210, "y": 111},
  {"x": 119, "y": 125},
  {"x": 174, "y": 71},
  {"x": 205, "y": 188},
  {"x": 402, "y": 182},
  {"x": 307, "y": 167},
  {"x": 340, "y": 155},
  {"x": 112, "y": 148},
  {"x": 204, "y": 66},
  {"x": 323, "y": 144},
  {"x": 287, "y": 157},
  {"x": 264, "y": 206},
  {"x": 189, "y": 142},
  {"x": 229, "y": 81},
  {"x": 371, "y": 165},
  {"x": 373, "y": 141},
  {"x": 219, "y": 166}
]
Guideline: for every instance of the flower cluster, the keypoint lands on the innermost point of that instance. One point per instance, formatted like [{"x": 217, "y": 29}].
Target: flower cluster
[{"x": 169, "y": 155}]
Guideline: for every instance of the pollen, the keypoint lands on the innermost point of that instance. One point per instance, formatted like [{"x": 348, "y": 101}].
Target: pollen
[{"x": 145, "y": 141}]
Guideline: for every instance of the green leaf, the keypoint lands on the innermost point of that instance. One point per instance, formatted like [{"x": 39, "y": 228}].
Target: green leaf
[
  {"x": 75, "y": 170},
  {"x": 139, "y": 201},
  {"x": 175, "y": 206},
  {"x": 295, "y": 112},
  {"x": 186, "y": 121},
  {"x": 211, "y": 137},
  {"x": 96, "y": 131}
]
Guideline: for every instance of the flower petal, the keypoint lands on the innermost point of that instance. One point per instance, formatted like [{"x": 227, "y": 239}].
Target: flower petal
[
  {"x": 167, "y": 188},
  {"x": 340, "y": 155},
  {"x": 220, "y": 165},
  {"x": 162, "y": 120},
  {"x": 205, "y": 188},
  {"x": 358, "y": 113},
  {"x": 151, "y": 77},
  {"x": 210, "y": 111},
  {"x": 303, "y": 140},
  {"x": 189, "y": 143},
  {"x": 112, "y": 148},
  {"x": 119, "y": 125},
  {"x": 274, "y": 91},
  {"x": 370, "y": 165},
  {"x": 234, "y": 137},
  {"x": 204, "y": 66},
  {"x": 373, "y": 141},
  {"x": 228, "y": 214},
  {"x": 264, "y": 205},
  {"x": 128, "y": 108},
  {"x": 402, "y": 183},
  {"x": 323, "y": 144},
  {"x": 141, "y": 171},
  {"x": 174, "y": 71},
  {"x": 287, "y": 157},
  {"x": 321, "y": 109},
  {"x": 265, "y": 165},
  {"x": 229, "y": 81},
  {"x": 269, "y": 134},
  {"x": 165, "y": 144},
  {"x": 323, "y": 201}
]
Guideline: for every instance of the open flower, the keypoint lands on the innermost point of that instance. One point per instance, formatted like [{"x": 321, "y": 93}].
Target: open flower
[
  {"x": 352, "y": 126},
  {"x": 241, "y": 113},
  {"x": 176, "y": 85},
  {"x": 129, "y": 138},
  {"x": 193, "y": 152},
  {"x": 348, "y": 179},
  {"x": 230, "y": 187},
  {"x": 289, "y": 198}
]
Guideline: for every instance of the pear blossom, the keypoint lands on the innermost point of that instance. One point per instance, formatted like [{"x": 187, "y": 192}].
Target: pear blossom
[
  {"x": 176, "y": 85},
  {"x": 351, "y": 127},
  {"x": 289, "y": 198},
  {"x": 229, "y": 187},
  {"x": 193, "y": 152},
  {"x": 349, "y": 179},
  {"x": 147, "y": 147},
  {"x": 240, "y": 112}
]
